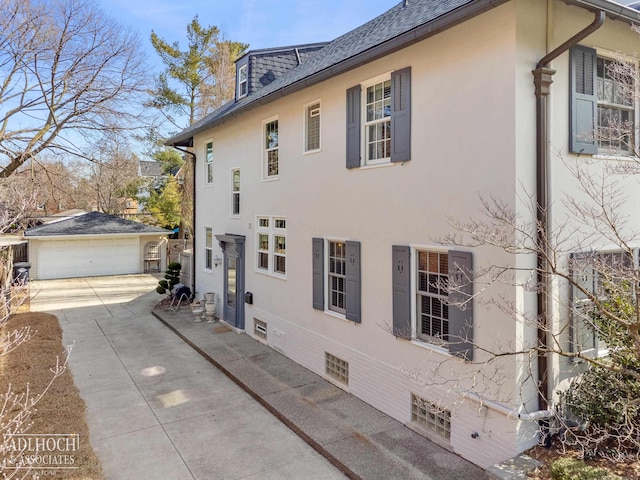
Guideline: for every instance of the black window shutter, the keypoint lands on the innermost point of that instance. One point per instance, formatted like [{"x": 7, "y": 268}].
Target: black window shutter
[
  {"x": 461, "y": 304},
  {"x": 353, "y": 303},
  {"x": 401, "y": 115},
  {"x": 401, "y": 281},
  {"x": 318, "y": 273},
  {"x": 353, "y": 126},
  {"x": 583, "y": 96}
]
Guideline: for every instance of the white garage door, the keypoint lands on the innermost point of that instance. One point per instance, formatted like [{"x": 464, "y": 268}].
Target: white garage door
[{"x": 87, "y": 258}]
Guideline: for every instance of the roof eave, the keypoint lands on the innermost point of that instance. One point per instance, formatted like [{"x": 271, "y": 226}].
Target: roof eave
[
  {"x": 615, "y": 11},
  {"x": 444, "y": 22}
]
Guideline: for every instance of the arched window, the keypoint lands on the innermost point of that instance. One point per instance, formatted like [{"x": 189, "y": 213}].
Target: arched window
[{"x": 151, "y": 257}]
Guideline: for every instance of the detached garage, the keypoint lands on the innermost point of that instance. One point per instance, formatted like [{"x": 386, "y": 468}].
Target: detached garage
[{"x": 94, "y": 244}]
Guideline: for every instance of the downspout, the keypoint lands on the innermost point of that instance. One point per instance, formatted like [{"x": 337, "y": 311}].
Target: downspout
[
  {"x": 193, "y": 219},
  {"x": 543, "y": 77}
]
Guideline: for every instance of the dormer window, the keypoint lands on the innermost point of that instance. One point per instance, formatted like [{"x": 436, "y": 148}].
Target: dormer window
[{"x": 242, "y": 81}]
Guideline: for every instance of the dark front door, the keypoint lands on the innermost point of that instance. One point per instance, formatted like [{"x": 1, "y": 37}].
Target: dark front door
[{"x": 233, "y": 301}]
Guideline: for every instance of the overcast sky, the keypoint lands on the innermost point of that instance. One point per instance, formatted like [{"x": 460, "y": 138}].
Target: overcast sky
[{"x": 259, "y": 23}]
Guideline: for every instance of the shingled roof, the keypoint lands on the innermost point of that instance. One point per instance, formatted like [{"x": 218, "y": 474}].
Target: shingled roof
[
  {"x": 92, "y": 223},
  {"x": 265, "y": 65},
  {"x": 406, "y": 23}
]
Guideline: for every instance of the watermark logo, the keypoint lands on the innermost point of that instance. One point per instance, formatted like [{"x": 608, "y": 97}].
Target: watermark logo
[{"x": 41, "y": 451}]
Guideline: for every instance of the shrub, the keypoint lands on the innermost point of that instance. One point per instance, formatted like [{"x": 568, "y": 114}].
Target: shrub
[
  {"x": 172, "y": 277},
  {"x": 605, "y": 397},
  {"x": 572, "y": 469}
]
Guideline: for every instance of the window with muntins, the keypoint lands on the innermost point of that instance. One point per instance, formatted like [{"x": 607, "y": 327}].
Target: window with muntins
[
  {"x": 337, "y": 277},
  {"x": 271, "y": 167},
  {"x": 433, "y": 297},
  {"x": 235, "y": 192},
  {"x": 615, "y": 107},
  {"x": 377, "y": 123},
  {"x": 208, "y": 248},
  {"x": 242, "y": 81},
  {"x": 432, "y": 304},
  {"x": 271, "y": 245},
  {"x": 602, "y": 111},
  {"x": 595, "y": 275},
  {"x": 312, "y": 128},
  {"x": 209, "y": 162}
]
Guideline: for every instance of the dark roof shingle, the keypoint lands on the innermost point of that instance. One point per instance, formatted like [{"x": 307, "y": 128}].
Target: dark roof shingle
[
  {"x": 92, "y": 223},
  {"x": 396, "y": 21},
  {"x": 400, "y": 26}
]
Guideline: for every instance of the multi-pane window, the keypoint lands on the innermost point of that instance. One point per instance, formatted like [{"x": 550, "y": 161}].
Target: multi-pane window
[
  {"x": 272, "y": 245},
  {"x": 432, "y": 307},
  {"x": 336, "y": 368},
  {"x": 430, "y": 417},
  {"x": 312, "y": 127},
  {"x": 337, "y": 276},
  {"x": 377, "y": 124},
  {"x": 242, "y": 81},
  {"x": 270, "y": 149},
  {"x": 595, "y": 275},
  {"x": 235, "y": 191},
  {"x": 615, "y": 106},
  {"x": 263, "y": 251},
  {"x": 280, "y": 254},
  {"x": 208, "y": 248},
  {"x": 209, "y": 161}
]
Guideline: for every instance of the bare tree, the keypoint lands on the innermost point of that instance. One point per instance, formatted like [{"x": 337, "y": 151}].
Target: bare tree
[
  {"x": 68, "y": 73},
  {"x": 220, "y": 63},
  {"x": 110, "y": 180},
  {"x": 52, "y": 183},
  {"x": 589, "y": 272},
  {"x": 16, "y": 408}
]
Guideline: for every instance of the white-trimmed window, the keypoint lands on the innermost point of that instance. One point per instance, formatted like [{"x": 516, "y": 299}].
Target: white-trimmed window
[
  {"x": 208, "y": 248},
  {"x": 376, "y": 113},
  {"x": 616, "y": 112},
  {"x": 433, "y": 297},
  {"x": 242, "y": 81},
  {"x": 312, "y": 127},
  {"x": 271, "y": 251},
  {"x": 595, "y": 272},
  {"x": 336, "y": 276},
  {"x": 235, "y": 192},
  {"x": 378, "y": 120},
  {"x": 208, "y": 156},
  {"x": 270, "y": 168},
  {"x": 432, "y": 306}
]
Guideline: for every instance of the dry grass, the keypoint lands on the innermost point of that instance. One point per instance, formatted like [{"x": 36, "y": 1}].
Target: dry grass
[
  {"x": 627, "y": 470},
  {"x": 61, "y": 410}
]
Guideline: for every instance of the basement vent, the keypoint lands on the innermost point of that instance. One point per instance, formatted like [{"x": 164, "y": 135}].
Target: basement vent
[
  {"x": 337, "y": 368},
  {"x": 260, "y": 329},
  {"x": 430, "y": 417}
]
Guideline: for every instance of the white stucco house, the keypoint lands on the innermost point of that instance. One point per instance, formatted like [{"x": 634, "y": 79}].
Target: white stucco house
[
  {"x": 95, "y": 244},
  {"x": 324, "y": 190}
]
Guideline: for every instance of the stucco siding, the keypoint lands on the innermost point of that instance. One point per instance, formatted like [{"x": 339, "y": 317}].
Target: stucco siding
[
  {"x": 463, "y": 146},
  {"x": 472, "y": 137}
]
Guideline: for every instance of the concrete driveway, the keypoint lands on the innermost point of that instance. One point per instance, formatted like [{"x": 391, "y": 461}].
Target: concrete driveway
[{"x": 157, "y": 409}]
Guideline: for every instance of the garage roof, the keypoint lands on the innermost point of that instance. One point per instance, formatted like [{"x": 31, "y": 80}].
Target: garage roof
[{"x": 92, "y": 223}]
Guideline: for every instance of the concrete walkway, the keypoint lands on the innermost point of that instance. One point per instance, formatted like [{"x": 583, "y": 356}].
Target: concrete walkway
[
  {"x": 156, "y": 408},
  {"x": 360, "y": 440}
]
